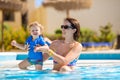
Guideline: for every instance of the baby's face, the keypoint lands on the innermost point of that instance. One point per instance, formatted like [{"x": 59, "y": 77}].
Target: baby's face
[{"x": 35, "y": 31}]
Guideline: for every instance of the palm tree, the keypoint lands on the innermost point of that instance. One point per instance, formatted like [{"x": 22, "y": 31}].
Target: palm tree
[{"x": 68, "y": 5}]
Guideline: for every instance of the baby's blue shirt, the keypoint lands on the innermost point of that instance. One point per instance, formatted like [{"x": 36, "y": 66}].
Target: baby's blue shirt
[{"x": 32, "y": 43}]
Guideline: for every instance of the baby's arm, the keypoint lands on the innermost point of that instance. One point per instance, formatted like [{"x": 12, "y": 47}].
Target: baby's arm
[
  {"x": 20, "y": 46},
  {"x": 40, "y": 48}
]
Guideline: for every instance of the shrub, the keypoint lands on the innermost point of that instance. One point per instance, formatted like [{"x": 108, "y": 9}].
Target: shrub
[
  {"x": 87, "y": 35},
  {"x": 57, "y": 35},
  {"x": 106, "y": 33},
  {"x": 10, "y": 34}
]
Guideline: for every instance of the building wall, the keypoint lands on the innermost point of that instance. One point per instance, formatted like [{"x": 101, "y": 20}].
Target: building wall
[
  {"x": 17, "y": 21},
  {"x": 36, "y": 14},
  {"x": 39, "y": 15},
  {"x": 31, "y": 10},
  {"x": 100, "y": 13}
]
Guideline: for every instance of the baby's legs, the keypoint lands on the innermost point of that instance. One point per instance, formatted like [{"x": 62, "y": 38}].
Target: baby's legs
[
  {"x": 24, "y": 64},
  {"x": 38, "y": 67}
]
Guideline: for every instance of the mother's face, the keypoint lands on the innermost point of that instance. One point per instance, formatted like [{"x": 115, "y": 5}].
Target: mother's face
[{"x": 67, "y": 29}]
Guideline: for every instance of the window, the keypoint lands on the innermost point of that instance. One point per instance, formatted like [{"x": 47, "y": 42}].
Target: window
[{"x": 8, "y": 15}]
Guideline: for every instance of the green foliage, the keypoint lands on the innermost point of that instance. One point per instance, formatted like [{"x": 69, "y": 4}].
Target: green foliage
[
  {"x": 58, "y": 31},
  {"x": 86, "y": 35},
  {"x": 106, "y": 33},
  {"x": 57, "y": 35},
  {"x": 11, "y": 34}
]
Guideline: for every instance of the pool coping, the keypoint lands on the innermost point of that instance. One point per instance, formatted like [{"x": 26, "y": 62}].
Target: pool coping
[
  {"x": 49, "y": 64},
  {"x": 85, "y": 55},
  {"x": 95, "y": 51}
]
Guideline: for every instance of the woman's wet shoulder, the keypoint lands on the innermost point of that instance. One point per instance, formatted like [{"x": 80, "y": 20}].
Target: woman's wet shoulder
[
  {"x": 55, "y": 44},
  {"x": 78, "y": 44}
]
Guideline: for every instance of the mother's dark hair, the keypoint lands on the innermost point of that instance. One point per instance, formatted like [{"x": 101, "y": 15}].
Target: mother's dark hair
[{"x": 76, "y": 25}]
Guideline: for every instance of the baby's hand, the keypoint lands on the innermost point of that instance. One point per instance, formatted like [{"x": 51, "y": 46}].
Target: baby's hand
[
  {"x": 13, "y": 43},
  {"x": 37, "y": 45},
  {"x": 43, "y": 49},
  {"x": 27, "y": 46},
  {"x": 36, "y": 49}
]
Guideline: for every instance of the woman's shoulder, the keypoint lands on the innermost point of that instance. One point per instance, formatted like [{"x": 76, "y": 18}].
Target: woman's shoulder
[
  {"x": 78, "y": 44},
  {"x": 56, "y": 42}
]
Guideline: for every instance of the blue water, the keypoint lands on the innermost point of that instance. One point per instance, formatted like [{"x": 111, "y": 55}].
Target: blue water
[
  {"x": 83, "y": 56},
  {"x": 81, "y": 73},
  {"x": 86, "y": 56}
]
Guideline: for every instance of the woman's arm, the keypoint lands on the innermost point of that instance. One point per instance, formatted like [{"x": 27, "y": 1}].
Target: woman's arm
[
  {"x": 41, "y": 49},
  {"x": 45, "y": 56},
  {"x": 63, "y": 60},
  {"x": 72, "y": 54}
]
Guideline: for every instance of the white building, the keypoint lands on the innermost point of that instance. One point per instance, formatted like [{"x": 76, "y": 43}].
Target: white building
[{"x": 100, "y": 13}]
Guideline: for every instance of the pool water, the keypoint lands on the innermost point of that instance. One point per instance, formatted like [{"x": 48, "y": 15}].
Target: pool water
[
  {"x": 81, "y": 73},
  {"x": 91, "y": 66}
]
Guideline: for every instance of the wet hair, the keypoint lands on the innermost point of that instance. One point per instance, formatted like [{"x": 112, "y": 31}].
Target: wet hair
[{"x": 74, "y": 23}]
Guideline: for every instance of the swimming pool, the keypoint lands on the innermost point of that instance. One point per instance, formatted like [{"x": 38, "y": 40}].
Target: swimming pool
[
  {"x": 82, "y": 73},
  {"x": 91, "y": 66}
]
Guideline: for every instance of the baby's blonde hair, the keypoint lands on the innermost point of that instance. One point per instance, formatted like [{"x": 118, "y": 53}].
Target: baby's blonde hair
[{"x": 36, "y": 24}]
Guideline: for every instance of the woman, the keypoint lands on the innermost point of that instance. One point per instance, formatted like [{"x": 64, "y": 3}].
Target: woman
[{"x": 65, "y": 52}]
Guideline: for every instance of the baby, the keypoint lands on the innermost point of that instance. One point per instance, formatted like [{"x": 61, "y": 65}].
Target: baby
[{"x": 34, "y": 40}]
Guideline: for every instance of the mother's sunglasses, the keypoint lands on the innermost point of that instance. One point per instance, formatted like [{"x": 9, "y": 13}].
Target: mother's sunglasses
[{"x": 66, "y": 27}]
